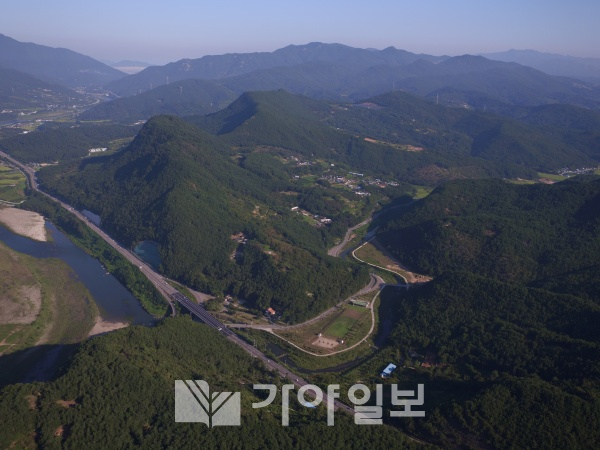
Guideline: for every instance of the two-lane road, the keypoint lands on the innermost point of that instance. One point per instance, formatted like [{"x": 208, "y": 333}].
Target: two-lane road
[{"x": 173, "y": 295}]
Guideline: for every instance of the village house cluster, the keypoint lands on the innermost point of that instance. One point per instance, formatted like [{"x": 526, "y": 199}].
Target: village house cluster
[
  {"x": 566, "y": 172},
  {"x": 320, "y": 220}
]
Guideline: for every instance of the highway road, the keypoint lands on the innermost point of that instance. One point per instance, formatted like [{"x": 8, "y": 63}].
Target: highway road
[{"x": 172, "y": 295}]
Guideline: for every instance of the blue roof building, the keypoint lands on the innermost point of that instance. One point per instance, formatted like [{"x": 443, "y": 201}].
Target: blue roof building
[{"x": 388, "y": 370}]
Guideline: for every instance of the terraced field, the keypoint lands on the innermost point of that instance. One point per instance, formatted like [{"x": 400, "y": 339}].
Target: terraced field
[{"x": 12, "y": 185}]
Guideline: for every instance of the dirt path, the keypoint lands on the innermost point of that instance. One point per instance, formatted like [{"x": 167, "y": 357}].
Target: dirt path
[
  {"x": 370, "y": 308},
  {"x": 376, "y": 283}
]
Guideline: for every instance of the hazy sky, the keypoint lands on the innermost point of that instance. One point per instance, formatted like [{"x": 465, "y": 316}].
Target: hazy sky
[{"x": 164, "y": 31}]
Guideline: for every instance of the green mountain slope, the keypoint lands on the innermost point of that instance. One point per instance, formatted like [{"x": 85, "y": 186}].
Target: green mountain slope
[
  {"x": 119, "y": 392},
  {"x": 19, "y": 90},
  {"x": 179, "y": 187},
  {"x": 182, "y": 98},
  {"x": 537, "y": 137},
  {"x": 543, "y": 138},
  {"x": 509, "y": 323},
  {"x": 269, "y": 152},
  {"x": 508, "y": 365},
  {"x": 344, "y": 135},
  {"x": 60, "y": 142},
  {"x": 514, "y": 233}
]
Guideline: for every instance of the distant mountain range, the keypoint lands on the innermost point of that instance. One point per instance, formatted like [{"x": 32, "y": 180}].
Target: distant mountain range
[
  {"x": 215, "y": 67},
  {"x": 55, "y": 65},
  {"x": 471, "y": 82},
  {"x": 339, "y": 70},
  {"x": 587, "y": 69}
]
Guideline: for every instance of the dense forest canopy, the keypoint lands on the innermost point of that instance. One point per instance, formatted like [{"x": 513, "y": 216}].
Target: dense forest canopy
[
  {"x": 118, "y": 392},
  {"x": 532, "y": 234},
  {"x": 247, "y": 199},
  {"x": 179, "y": 187},
  {"x": 510, "y": 321},
  {"x": 243, "y": 169}
]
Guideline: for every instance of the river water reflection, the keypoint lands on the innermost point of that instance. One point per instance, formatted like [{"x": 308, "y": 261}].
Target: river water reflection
[{"x": 114, "y": 301}]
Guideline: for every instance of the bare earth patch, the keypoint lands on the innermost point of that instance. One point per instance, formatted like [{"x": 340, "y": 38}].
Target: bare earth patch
[
  {"x": 21, "y": 310},
  {"x": 103, "y": 326},
  {"x": 31, "y": 402},
  {"x": 199, "y": 296},
  {"x": 67, "y": 403},
  {"x": 353, "y": 314},
  {"x": 325, "y": 342},
  {"x": 25, "y": 223}
]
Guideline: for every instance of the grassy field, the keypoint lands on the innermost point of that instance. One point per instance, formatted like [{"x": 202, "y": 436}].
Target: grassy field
[
  {"x": 522, "y": 181},
  {"x": 40, "y": 303},
  {"x": 421, "y": 191},
  {"x": 551, "y": 176},
  {"x": 348, "y": 323},
  {"x": 371, "y": 254},
  {"x": 345, "y": 322},
  {"x": 304, "y": 360},
  {"x": 12, "y": 185}
]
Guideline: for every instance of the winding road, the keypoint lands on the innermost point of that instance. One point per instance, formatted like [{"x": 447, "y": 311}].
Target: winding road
[
  {"x": 171, "y": 294},
  {"x": 335, "y": 251}
]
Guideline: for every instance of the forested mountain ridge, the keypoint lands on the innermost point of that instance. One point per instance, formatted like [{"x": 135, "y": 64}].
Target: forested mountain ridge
[
  {"x": 183, "y": 98},
  {"x": 543, "y": 138},
  {"x": 516, "y": 233},
  {"x": 182, "y": 188},
  {"x": 191, "y": 190},
  {"x": 337, "y": 71},
  {"x": 464, "y": 81},
  {"x": 118, "y": 393},
  {"x": 62, "y": 142},
  {"x": 213, "y": 67},
  {"x": 510, "y": 321},
  {"x": 443, "y": 137}
]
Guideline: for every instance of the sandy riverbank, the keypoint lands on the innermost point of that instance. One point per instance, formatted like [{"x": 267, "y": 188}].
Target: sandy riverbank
[
  {"x": 104, "y": 326},
  {"x": 25, "y": 223}
]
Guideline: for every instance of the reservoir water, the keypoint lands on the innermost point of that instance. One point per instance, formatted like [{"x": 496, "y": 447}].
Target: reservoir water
[
  {"x": 149, "y": 252},
  {"x": 94, "y": 218},
  {"x": 114, "y": 302}
]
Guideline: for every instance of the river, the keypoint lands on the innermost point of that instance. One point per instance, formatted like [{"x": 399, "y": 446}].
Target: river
[{"x": 114, "y": 301}]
